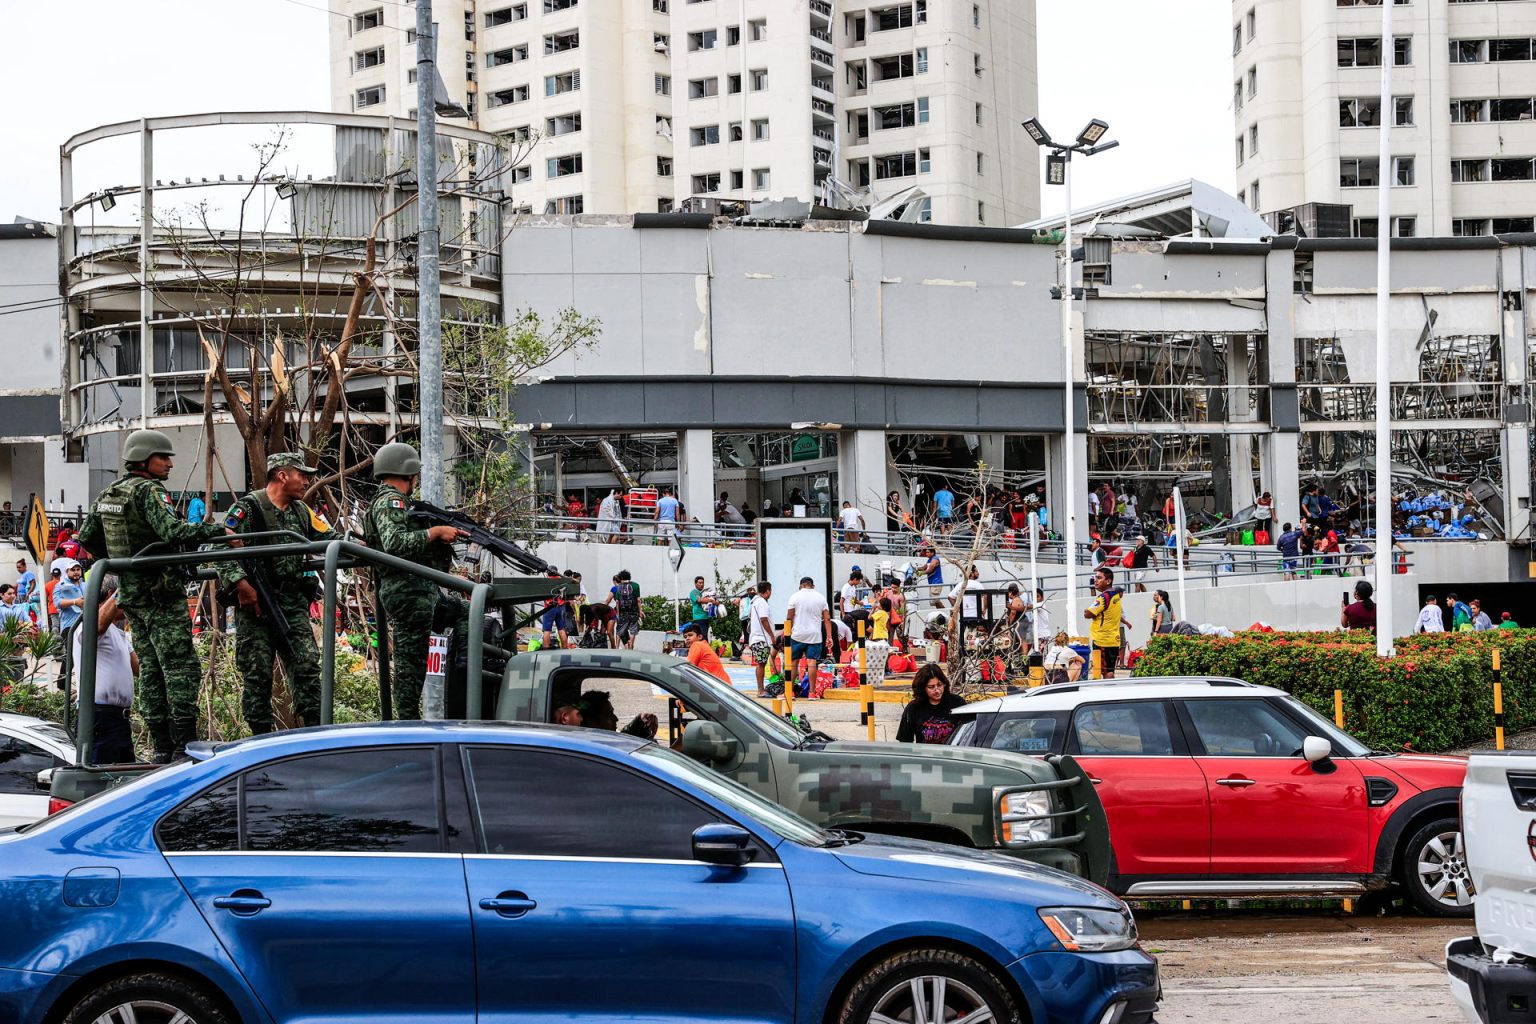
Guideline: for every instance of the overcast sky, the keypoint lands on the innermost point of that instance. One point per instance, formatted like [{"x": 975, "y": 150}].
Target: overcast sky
[{"x": 1159, "y": 73}]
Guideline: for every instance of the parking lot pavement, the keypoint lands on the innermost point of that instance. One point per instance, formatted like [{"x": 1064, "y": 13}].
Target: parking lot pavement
[{"x": 1324, "y": 967}]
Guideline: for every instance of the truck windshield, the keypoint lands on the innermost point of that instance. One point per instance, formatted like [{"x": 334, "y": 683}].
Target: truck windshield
[
  {"x": 733, "y": 794},
  {"x": 1343, "y": 741},
  {"x": 765, "y": 721}
]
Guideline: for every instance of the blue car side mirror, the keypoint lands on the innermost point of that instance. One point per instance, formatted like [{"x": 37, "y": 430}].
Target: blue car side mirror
[{"x": 723, "y": 844}]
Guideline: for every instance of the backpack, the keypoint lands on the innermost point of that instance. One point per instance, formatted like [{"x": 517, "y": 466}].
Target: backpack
[{"x": 627, "y": 599}]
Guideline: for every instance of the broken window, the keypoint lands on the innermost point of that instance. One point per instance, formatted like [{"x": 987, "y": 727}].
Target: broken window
[
  {"x": 1513, "y": 225},
  {"x": 703, "y": 184},
  {"x": 559, "y": 42},
  {"x": 1359, "y": 172},
  {"x": 1468, "y": 111},
  {"x": 891, "y": 18},
  {"x": 563, "y": 124},
  {"x": 901, "y": 115},
  {"x": 554, "y": 85},
  {"x": 370, "y": 97},
  {"x": 565, "y": 205},
  {"x": 368, "y": 58},
  {"x": 562, "y": 166},
  {"x": 1510, "y": 109},
  {"x": 1402, "y": 170},
  {"x": 511, "y": 55},
  {"x": 704, "y": 135},
  {"x": 1469, "y": 170},
  {"x": 1511, "y": 169},
  {"x": 700, "y": 88},
  {"x": 895, "y": 165},
  {"x": 1360, "y": 113},
  {"x": 1509, "y": 49},
  {"x": 1469, "y": 51}
]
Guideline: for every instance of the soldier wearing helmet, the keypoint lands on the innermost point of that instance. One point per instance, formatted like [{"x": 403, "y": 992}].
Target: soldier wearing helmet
[
  {"x": 132, "y": 513},
  {"x": 412, "y": 603},
  {"x": 278, "y": 506}
]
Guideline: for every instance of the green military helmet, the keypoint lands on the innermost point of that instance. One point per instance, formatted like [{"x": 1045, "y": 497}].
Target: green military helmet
[
  {"x": 142, "y": 444},
  {"x": 396, "y": 459}
]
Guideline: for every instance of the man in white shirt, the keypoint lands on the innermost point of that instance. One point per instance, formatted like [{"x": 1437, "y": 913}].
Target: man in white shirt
[
  {"x": 1430, "y": 618},
  {"x": 852, "y": 522},
  {"x": 116, "y": 667},
  {"x": 808, "y": 624},
  {"x": 760, "y": 632}
]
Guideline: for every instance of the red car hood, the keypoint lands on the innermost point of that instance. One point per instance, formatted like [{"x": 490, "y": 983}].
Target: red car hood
[{"x": 1426, "y": 771}]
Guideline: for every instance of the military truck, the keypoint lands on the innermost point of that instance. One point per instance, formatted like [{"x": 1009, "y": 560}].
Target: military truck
[
  {"x": 1043, "y": 810},
  {"x": 1040, "y": 809}
]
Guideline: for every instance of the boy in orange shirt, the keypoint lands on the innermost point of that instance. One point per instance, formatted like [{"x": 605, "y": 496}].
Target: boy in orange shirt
[{"x": 701, "y": 654}]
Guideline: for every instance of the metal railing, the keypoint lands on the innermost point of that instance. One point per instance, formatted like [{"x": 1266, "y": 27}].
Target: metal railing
[{"x": 1205, "y": 561}]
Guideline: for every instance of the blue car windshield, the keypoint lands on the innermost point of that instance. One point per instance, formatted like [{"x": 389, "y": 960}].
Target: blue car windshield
[{"x": 688, "y": 772}]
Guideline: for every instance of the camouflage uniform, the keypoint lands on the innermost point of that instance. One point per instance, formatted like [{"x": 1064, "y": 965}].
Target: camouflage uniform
[
  {"x": 254, "y": 652},
  {"x": 411, "y": 603},
  {"x": 133, "y": 512}
]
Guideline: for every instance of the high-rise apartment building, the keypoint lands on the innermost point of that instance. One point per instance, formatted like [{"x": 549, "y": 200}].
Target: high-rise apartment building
[
  {"x": 627, "y": 106},
  {"x": 1306, "y": 97}
]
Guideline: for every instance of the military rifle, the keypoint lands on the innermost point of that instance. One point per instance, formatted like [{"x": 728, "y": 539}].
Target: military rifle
[
  {"x": 514, "y": 555},
  {"x": 278, "y": 630}
]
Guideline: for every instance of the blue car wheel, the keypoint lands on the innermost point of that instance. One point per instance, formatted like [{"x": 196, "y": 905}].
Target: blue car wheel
[
  {"x": 930, "y": 985},
  {"x": 149, "y": 999}
]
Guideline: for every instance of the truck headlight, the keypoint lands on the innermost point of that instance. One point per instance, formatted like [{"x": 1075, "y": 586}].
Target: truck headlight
[
  {"x": 1085, "y": 930},
  {"x": 1022, "y": 816}
]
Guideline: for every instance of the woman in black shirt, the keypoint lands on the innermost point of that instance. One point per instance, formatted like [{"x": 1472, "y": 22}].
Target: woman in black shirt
[{"x": 927, "y": 719}]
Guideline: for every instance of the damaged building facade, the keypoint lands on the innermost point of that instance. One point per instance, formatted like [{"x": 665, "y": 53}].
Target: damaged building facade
[{"x": 880, "y": 355}]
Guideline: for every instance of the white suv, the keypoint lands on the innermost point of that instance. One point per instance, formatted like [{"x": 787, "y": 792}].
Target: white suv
[{"x": 27, "y": 746}]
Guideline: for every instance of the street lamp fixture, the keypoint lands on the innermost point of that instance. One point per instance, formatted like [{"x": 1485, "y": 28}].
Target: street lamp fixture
[
  {"x": 1091, "y": 135},
  {"x": 1058, "y": 171},
  {"x": 287, "y": 190},
  {"x": 108, "y": 200}
]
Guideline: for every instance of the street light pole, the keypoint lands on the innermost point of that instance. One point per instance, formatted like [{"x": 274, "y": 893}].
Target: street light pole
[
  {"x": 1059, "y": 172},
  {"x": 1069, "y": 425},
  {"x": 429, "y": 321},
  {"x": 1385, "y": 175}
]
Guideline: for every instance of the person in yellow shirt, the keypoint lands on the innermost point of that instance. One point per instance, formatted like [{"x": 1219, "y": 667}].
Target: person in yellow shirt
[
  {"x": 878, "y": 649},
  {"x": 1104, "y": 618},
  {"x": 701, "y": 655}
]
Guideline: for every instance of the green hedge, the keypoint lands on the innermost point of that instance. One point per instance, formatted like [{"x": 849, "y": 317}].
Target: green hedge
[{"x": 1435, "y": 695}]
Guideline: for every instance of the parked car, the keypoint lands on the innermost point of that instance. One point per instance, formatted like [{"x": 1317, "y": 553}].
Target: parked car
[
  {"x": 1493, "y": 973},
  {"x": 28, "y": 746},
  {"x": 464, "y": 872},
  {"x": 1218, "y": 788}
]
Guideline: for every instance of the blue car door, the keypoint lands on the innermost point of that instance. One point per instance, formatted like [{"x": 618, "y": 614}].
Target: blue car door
[
  {"x": 325, "y": 877},
  {"x": 588, "y": 905}
]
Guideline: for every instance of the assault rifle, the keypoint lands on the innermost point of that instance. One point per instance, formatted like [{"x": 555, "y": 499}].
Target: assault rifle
[
  {"x": 512, "y": 554},
  {"x": 272, "y": 617}
]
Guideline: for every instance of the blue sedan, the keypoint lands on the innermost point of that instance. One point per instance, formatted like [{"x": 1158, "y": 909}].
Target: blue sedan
[{"x": 462, "y": 873}]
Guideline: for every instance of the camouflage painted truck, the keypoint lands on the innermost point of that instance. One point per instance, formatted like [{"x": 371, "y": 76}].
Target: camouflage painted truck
[{"x": 1042, "y": 810}]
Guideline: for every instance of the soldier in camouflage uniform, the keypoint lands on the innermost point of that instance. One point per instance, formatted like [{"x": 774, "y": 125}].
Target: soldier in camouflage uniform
[
  {"x": 133, "y": 512},
  {"x": 277, "y": 507},
  {"x": 411, "y": 602}
]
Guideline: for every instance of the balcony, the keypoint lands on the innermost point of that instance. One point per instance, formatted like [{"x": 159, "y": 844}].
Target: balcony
[
  {"x": 822, "y": 34},
  {"x": 822, "y": 57},
  {"x": 821, "y": 7},
  {"x": 822, "y": 108}
]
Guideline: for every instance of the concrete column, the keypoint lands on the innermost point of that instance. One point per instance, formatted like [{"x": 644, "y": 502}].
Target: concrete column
[
  {"x": 1516, "y": 451},
  {"x": 1280, "y": 474},
  {"x": 1055, "y": 488},
  {"x": 1239, "y": 410},
  {"x": 863, "y": 473},
  {"x": 696, "y": 473}
]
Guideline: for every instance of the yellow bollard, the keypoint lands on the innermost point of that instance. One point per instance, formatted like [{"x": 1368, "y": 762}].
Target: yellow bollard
[
  {"x": 867, "y": 707},
  {"x": 778, "y": 706},
  {"x": 1187, "y": 905},
  {"x": 1036, "y": 676},
  {"x": 1096, "y": 666},
  {"x": 1498, "y": 704},
  {"x": 1349, "y": 906},
  {"x": 1338, "y": 708}
]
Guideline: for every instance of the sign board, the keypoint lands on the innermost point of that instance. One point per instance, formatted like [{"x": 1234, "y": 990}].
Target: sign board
[
  {"x": 433, "y": 690},
  {"x": 789, "y": 549},
  {"x": 37, "y": 531}
]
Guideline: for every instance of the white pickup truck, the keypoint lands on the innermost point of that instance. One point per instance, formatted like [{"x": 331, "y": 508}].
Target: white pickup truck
[{"x": 1493, "y": 973}]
